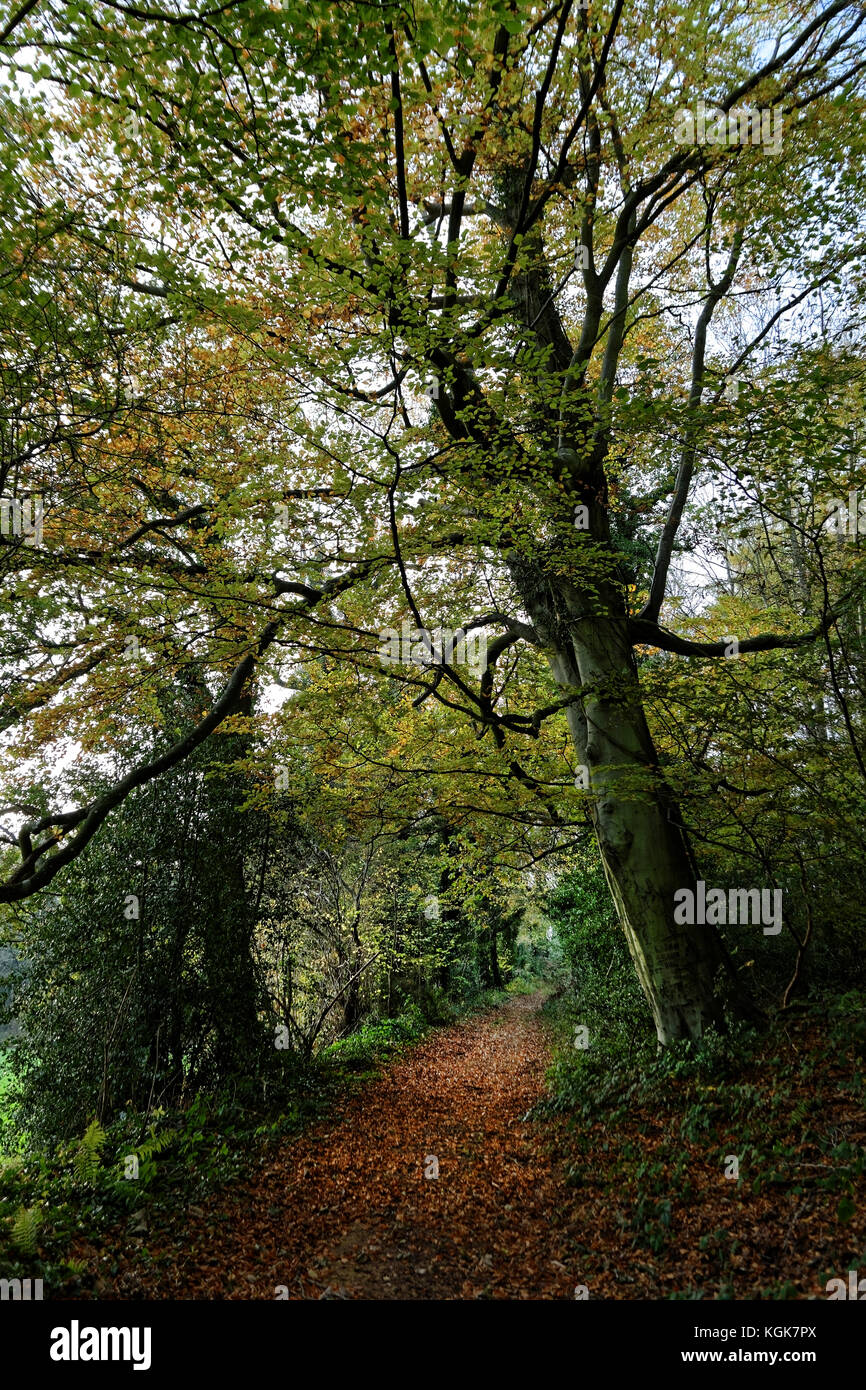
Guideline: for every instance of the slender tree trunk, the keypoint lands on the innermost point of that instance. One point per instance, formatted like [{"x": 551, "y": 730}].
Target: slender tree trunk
[
  {"x": 352, "y": 1001},
  {"x": 482, "y": 956},
  {"x": 495, "y": 972},
  {"x": 352, "y": 1004},
  {"x": 227, "y": 966},
  {"x": 449, "y": 913}
]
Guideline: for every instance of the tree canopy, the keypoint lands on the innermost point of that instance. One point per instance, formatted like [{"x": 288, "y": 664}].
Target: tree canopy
[{"x": 327, "y": 327}]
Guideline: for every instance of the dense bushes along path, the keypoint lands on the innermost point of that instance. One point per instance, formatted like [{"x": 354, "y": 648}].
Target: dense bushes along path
[{"x": 347, "y": 1211}]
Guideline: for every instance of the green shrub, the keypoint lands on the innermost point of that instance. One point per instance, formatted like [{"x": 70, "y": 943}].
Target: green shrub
[{"x": 375, "y": 1041}]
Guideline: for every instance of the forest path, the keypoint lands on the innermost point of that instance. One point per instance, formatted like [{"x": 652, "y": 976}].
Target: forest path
[{"x": 346, "y": 1211}]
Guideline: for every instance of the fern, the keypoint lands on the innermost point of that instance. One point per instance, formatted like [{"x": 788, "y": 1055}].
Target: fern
[
  {"x": 155, "y": 1144},
  {"x": 25, "y": 1228},
  {"x": 146, "y": 1153},
  {"x": 86, "y": 1159}
]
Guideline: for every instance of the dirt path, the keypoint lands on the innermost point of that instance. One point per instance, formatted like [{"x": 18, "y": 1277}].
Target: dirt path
[{"x": 347, "y": 1210}]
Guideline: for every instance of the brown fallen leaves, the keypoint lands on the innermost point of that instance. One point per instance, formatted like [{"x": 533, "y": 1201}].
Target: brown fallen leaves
[{"x": 345, "y": 1211}]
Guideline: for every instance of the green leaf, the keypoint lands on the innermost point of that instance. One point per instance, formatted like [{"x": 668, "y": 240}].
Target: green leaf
[{"x": 25, "y": 1228}]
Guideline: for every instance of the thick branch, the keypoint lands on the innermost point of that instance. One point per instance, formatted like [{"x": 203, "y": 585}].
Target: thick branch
[{"x": 649, "y": 634}]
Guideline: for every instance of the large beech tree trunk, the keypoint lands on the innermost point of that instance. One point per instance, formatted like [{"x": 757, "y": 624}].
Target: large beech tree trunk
[
  {"x": 684, "y": 971},
  {"x": 575, "y": 597}
]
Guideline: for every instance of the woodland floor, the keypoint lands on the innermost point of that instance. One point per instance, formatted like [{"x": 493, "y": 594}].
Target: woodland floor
[{"x": 345, "y": 1209}]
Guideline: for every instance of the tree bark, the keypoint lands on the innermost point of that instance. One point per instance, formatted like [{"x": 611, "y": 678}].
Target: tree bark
[
  {"x": 684, "y": 971},
  {"x": 495, "y": 972}
]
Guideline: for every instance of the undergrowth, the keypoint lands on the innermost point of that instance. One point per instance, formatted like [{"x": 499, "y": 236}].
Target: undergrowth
[
  {"x": 711, "y": 1131},
  {"x": 138, "y": 1166}
]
